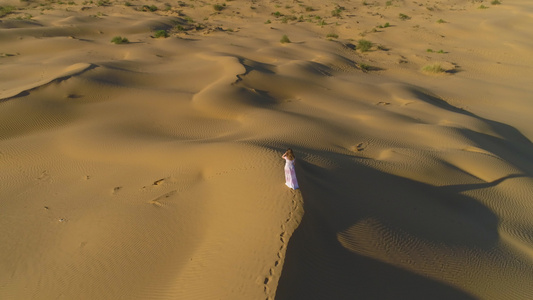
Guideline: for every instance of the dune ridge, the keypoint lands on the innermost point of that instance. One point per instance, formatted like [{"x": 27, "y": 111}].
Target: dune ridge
[{"x": 152, "y": 169}]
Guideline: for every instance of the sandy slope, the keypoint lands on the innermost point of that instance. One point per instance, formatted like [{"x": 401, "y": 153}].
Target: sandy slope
[{"x": 152, "y": 170}]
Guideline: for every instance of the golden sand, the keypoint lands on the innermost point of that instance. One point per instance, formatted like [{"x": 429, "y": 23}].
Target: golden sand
[{"x": 151, "y": 169}]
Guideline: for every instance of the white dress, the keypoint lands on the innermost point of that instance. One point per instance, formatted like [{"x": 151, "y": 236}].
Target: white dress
[{"x": 290, "y": 174}]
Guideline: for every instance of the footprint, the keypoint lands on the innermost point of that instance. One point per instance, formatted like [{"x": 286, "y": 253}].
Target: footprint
[
  {"x": 284, "y": 242},
  {"x": 157, "y": 200},
  {"x": 360, "y": 147},
  {"x": 44, "y": 176},
  {"x": 159, "y": 182}
]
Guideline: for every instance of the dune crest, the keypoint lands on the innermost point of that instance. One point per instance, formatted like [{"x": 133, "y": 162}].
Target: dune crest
[{"x": 29, "y": 84}]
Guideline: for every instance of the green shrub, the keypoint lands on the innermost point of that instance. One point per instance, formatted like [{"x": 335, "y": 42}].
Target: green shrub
[
  {"x": 119, "y": 40},
  {"x": 218, "y": 7},
  {"x": 483, "y": 7},
  {"x": 364, "y": 45},
  {"x": 151, "y": 8},
  {"x": 365, "y": 67},
  {"x": 388, "y": 3},
  {"x": 161, "y": 34},
  {"x": 284, "y": 39},
  {"x": 495, "y": 2},
  {"x": 404, "y": 17},
  {"x": 433, "y": 68},
  {"x": 384, "y": 25},
  {"x": 332, "y": 35},
  {"x": 336, "y": 12},
  {"x": 25, "y": 17},
  {"x": 440, "y": 21},
  {"x": 6, "y": 10},
  {"x": 286, "y": 19}
]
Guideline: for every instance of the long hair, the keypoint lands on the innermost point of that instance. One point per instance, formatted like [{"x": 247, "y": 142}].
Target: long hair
[{"x": 289, "y": 154}]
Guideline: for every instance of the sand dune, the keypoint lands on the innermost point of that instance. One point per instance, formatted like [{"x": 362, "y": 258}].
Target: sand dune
[{"x": 151, "y": 169}]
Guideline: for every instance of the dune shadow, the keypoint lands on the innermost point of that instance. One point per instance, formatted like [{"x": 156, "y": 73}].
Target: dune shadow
[
  {"x": 318, "y": 266},
  {"x": 509, "y": 143},
  {"x": 415, "y": 217}
]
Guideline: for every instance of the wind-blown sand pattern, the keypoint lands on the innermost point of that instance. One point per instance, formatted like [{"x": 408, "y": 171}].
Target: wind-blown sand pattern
[{"x": 152, "y": 169}]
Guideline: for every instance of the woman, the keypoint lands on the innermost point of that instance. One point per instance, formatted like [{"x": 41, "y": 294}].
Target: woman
[{"x": 290, "y": 173}]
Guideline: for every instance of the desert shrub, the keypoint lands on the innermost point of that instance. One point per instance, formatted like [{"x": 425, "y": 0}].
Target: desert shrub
[
  {"x": 268, "y": 22},
  {"x": 322, "y": 23},
  {"x": 6, "y": 10},
  {"x": 440, "y": 21},
  {"x": 364, "y": 45},
  {"x": 286, "y": 19},
  {"x": 103, "y": 3},
  {"x": 284, "y": 39},
  {"x": 431, "y": 51},
  {"x": 309, "y": 8},
  {"x": 127, "y": 3},
  {"x": 336, "y": 12},
  {"x": 277, "y": 14},
  {"x": 365, "y": 67},
  {"x": 151, "y": 8},
  {"x": 26, "y": 16},
  {"x": 161, "y": 34},
  {"x": 495, "y": 2},
  {"x": 119, "y": 40},
  {"x": 384, "y": 25},
  {"x": 218, "y": 7},
  {"x": 332, "y": 35},
  {"x": 483, "y": 7},
  {"x": 404, "y": 17},
  {"x": 433, "y": 68},
  {"x": 388, "y": 3}
]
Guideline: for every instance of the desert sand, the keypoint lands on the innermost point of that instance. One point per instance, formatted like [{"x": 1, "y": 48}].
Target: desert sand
[{"x": 151, "y": 169}]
